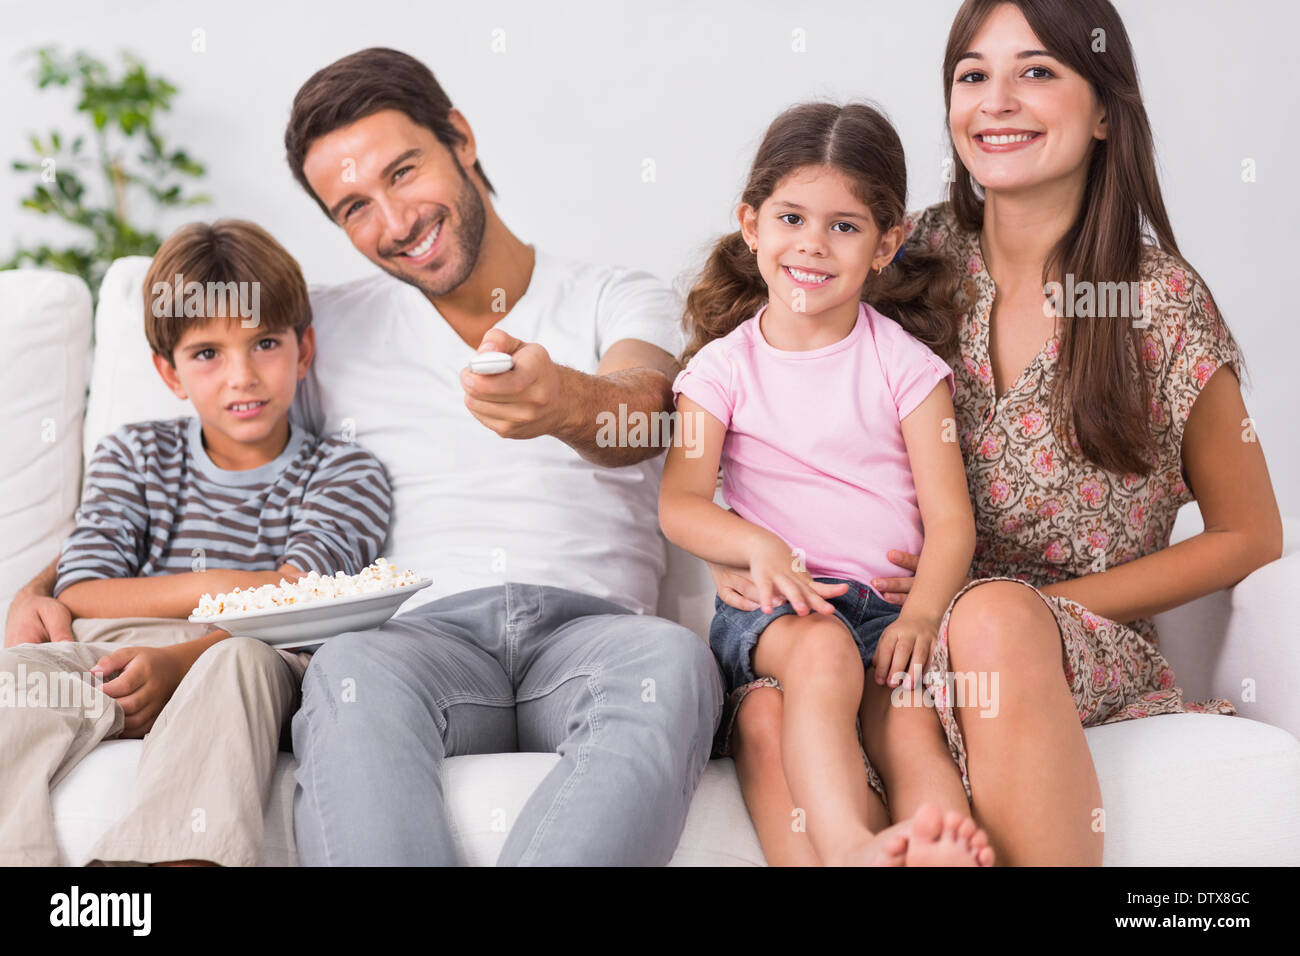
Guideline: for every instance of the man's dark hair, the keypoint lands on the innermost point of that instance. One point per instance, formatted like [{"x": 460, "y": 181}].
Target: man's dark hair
[{"x": 359, "y": 85}]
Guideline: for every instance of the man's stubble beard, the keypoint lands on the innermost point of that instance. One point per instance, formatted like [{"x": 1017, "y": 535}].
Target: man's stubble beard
[{"x": 469, "y": 244}]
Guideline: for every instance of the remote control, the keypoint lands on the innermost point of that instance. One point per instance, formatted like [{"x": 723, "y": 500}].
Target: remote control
[{"x": 491, "y": 363}]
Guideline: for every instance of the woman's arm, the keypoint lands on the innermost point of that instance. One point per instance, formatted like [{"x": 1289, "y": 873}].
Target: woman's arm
[
  {"x": 1224, "y": 466},
  {"x": 162, "y": 595},
  {"x": 944, "y": 502}
]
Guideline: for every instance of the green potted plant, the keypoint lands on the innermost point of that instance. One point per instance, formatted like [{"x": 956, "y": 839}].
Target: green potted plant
[{"x": 93, "y": 187}]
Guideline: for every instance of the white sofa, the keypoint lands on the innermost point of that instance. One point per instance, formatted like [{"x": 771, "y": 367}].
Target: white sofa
[{"x": 1182, "y": 790}]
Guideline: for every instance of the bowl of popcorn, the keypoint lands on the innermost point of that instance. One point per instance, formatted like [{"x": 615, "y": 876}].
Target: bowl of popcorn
[{"x": 312, "y": 609}]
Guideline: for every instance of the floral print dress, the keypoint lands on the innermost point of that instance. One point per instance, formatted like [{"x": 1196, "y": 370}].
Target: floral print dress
[{"x": 1043, "y": 513}]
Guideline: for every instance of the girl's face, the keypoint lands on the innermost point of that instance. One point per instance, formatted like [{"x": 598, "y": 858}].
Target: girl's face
[
  {"x": 816, "y": 241},
  {"x": 1019, "y": 117}
]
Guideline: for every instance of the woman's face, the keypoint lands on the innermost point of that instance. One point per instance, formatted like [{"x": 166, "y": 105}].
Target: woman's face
[{"x": 1020, "y": 118}]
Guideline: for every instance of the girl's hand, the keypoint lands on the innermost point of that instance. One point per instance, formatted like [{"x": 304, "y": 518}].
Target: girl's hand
[
  {"x": 895, "y": 590},
  {"x": 904, "y": 649},
  {"x": 737, "y": 588},
  {"x": 771, "y": 566}
]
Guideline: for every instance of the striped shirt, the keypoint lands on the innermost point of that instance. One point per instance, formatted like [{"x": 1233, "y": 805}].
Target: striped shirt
[{"x": 155, "y": 503}]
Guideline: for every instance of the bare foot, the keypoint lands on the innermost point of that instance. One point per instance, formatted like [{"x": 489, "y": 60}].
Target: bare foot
[
  {"x": 935, "y": 840},
  {"x": 886, "y": 848},
  {"x": 977, "y": 840}
]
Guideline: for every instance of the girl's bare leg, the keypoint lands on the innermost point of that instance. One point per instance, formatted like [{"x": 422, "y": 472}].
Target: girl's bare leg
[
  {"x": 817, "y": 663},
  {"x": 756, "y": 747},
  {"x": 933, "y": 838},
  {"x": 1033, "y": 783},
  {"x": 906, "y": 744}
]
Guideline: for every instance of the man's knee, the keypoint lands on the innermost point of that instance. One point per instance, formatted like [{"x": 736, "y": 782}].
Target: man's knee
[{"x": 670, "y": 664}]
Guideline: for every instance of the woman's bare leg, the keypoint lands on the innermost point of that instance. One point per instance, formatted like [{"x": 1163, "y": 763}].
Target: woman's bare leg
[{"x": 1033, "y": 783}]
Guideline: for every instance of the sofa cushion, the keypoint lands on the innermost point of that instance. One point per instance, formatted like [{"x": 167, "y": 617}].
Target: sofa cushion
[
  {"x": 46, "y": 324},
  {"x": 124, "y": 385},
  {"x": 1178, "y": 790}
]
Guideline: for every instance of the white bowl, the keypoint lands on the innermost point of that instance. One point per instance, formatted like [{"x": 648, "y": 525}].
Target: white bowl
[{"x": 306, "y": 625}]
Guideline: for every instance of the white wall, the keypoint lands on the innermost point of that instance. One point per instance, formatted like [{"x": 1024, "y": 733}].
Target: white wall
[{"x": 585, "y": 91}]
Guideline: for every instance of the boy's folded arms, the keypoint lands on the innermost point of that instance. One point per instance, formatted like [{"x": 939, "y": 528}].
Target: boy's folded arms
[{"x": 162, "y": 595}]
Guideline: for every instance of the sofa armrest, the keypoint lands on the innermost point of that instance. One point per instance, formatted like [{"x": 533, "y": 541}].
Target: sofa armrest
[{"x": 1241, "y": 643}]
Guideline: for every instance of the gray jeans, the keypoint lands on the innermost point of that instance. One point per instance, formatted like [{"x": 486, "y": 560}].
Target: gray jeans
[{"x": 629, "y": 702}]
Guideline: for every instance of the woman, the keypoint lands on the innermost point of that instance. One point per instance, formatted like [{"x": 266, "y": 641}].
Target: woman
[{"x": 1086, "y": 420}]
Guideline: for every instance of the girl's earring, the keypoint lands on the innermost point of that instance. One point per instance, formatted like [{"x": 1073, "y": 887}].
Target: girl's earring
[{"x": 754, "y": 249}]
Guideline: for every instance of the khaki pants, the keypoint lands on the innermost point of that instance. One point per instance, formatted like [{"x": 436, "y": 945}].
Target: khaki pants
[{"x": 205, "y": 769}]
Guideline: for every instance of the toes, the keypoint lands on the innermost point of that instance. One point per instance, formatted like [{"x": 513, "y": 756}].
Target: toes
[
  {"x": 952, "y": 821},
  {"x": 984, "y": 857},
  {"x": 927, "y": 823},
  {"x": 966, "y": 830}
]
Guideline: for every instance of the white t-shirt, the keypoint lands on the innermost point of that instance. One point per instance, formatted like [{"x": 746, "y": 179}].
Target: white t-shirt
[{"x": 470, "y": 508}]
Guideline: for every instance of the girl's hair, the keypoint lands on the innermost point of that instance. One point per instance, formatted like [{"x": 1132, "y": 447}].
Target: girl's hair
[
  {"x": 1099, "y": 388},
  {"x": 916, "y": 291}
]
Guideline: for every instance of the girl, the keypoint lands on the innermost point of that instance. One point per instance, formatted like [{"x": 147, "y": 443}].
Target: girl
[
  {"x": 833, "y": 426},
  {"x": 1083, "y": 436}
]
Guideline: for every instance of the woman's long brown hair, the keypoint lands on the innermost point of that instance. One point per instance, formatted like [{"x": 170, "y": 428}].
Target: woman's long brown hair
[
  {"x": 917, "y": 291},
  {"x": 1100, "y": 389}
]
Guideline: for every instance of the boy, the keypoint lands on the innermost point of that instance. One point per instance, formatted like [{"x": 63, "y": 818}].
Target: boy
[{"x": 234, "y": 497}]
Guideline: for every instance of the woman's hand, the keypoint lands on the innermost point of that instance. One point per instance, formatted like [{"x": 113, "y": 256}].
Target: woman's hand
[
  {"x": 904, "y": 649},
  {"x": 895, "y": 590}
]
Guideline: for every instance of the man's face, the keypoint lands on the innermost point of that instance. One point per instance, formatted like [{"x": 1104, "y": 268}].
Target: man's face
[{"x": 402, "y": 197}]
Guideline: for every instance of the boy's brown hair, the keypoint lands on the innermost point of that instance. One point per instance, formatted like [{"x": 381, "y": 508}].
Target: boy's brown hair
[{"x": 225, "y": 258}]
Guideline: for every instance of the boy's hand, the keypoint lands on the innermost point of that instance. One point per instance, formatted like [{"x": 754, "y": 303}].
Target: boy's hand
[
  {"x": 904, "y": 649},
  {"x": 771, "y": 566},
  {"x": 36, "y": 619},
  {"x": 148, "y": 677}
]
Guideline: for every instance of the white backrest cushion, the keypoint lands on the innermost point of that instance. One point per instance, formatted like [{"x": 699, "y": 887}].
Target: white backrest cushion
[
  {"x": 124, "y": 385},
  {"x": 46, "y": 327}
]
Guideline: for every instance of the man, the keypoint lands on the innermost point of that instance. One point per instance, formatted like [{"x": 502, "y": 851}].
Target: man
[{"x": 540, "y": 536}]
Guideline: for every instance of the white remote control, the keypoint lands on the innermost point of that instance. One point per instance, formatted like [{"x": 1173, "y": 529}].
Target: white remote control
[{"x": 491, "y": 363}]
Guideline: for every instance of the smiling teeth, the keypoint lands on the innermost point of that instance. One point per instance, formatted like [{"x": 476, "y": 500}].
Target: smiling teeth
[
  {"x": 245, "y": 406},
  {"x": 1007, "y": 140},
  {"x": 806, "y": 276},
  {"x": 425, "y": 246}
]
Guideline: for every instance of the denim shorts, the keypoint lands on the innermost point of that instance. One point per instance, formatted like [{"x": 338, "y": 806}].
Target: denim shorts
[{"x": 733, "y": 635}]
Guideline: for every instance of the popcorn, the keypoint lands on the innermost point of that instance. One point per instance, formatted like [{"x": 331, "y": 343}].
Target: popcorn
[{"x": 311, "y": 588}]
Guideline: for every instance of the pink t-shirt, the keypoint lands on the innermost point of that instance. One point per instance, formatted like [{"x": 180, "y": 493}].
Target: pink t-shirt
[{"x": 814, "y": 449}]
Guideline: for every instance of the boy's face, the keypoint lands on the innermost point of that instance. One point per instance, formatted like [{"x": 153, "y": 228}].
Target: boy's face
[{"x": 241, "y": 381}]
